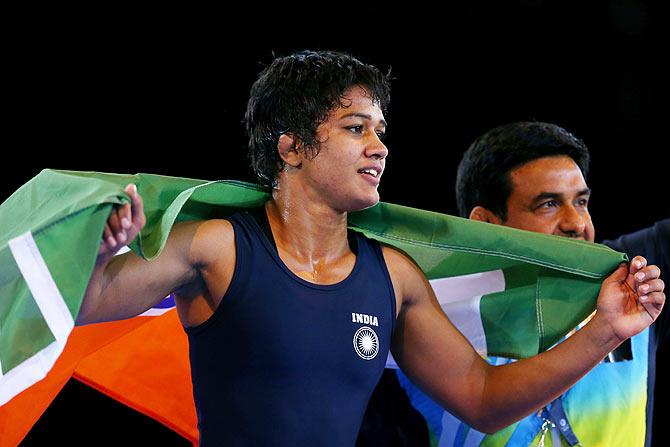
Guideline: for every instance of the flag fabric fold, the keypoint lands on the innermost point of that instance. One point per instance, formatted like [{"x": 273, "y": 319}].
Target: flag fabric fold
[{"x": 513, "y": 293}]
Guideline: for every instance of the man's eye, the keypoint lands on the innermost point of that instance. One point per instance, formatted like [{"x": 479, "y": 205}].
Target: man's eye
[
  {"x": 583, "y": 202},
  {"x": 548, "y": 204},
  {"x": 355, "y": 129},
  {"x": 381, "y": 135}
]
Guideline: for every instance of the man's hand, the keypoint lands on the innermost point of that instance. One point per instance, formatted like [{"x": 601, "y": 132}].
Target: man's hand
[
  {"x": 123, "y": 225},
  {"x": 631, "y": 298}
]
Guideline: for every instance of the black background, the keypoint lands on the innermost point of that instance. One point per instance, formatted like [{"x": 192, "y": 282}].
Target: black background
[{"x": 164, "y": 91}]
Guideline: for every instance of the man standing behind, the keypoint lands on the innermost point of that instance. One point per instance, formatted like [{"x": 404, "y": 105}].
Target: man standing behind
[{"x": 531, "y": 176}]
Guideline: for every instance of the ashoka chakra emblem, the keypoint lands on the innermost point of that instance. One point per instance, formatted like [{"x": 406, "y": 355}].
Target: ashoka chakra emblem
[{"x": 366, "y": 343}]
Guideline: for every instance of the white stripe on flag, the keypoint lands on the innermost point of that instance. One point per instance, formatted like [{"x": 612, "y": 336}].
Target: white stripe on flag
[
  {"x": 53, "y": 308},
  {"x": 42, "y": 286},
  {"x": 28, "y": 372},
  {"x": 155, "y": 312},
  {"x": 122, "y": 250},
  {"x": 460, "y": 297}
]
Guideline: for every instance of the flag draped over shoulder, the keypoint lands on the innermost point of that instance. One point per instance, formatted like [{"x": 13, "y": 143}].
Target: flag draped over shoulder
[{"x": 512, "y": 293}]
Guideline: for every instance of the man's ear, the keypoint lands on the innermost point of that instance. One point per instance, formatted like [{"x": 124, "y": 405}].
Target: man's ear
[
  {"x": 288, "y": 152},
  {"x": 483, "y": 215}
]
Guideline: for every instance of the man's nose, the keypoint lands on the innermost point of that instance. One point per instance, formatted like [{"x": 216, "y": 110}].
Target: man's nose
[{"x": 573, "y": 221}]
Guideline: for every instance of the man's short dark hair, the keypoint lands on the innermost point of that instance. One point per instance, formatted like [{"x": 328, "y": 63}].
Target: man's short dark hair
[
  {"x": 295, "y": 94},
  {"x": 483, "y": 174}
]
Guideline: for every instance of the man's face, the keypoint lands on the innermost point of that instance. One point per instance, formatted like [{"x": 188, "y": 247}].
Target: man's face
[
  {"x": 348, "y": 169},
  {"x": 549, "y": 195}
]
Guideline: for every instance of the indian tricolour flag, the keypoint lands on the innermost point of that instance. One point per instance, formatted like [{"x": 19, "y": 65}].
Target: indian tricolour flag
[{"x": 513, "y": 293}]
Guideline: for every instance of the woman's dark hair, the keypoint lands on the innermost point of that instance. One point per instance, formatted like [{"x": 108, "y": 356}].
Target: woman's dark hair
[{"x": 295, "y": 94}]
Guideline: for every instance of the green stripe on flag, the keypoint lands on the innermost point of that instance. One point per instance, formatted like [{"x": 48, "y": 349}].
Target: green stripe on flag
[
  {"x": 510, "y": 323},
  {"x": 565, "y": 299}
]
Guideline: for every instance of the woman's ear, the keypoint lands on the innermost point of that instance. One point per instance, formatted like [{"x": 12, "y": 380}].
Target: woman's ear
[{"x": 287, "y": 146}]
